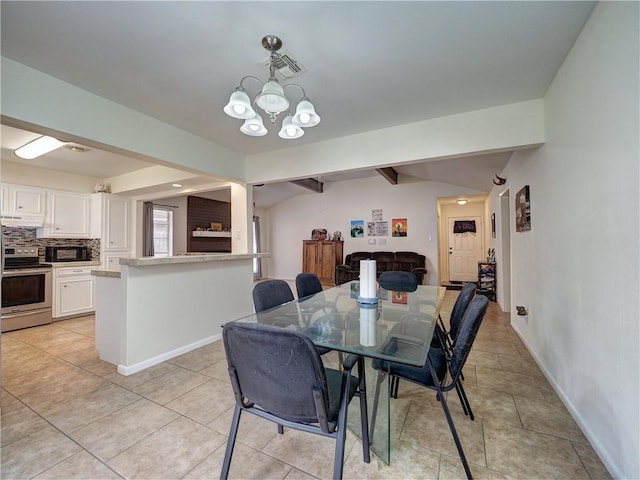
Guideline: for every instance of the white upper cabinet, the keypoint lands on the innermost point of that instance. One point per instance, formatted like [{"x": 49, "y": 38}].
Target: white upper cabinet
[
  {"x": 111, "y": 215},
  {"x": 23, "y": 200},
  {"x": 68, "y": 215}
]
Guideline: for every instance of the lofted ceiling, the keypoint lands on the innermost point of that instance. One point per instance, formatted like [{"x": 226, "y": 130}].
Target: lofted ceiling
[{"x": 369, "y": 65}]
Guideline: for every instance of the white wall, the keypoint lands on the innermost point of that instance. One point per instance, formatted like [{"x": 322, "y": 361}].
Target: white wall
[
  {"x": 13, "y": 172},
  {"x": 577, "y": 269},
  {"x": 292, "y": 221}
]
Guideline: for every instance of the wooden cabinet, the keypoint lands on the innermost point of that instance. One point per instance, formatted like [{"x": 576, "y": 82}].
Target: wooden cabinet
[
  {"x": 74, "y": 291},
  {"x": 321, "y": 257},
  {"x": 67, "y": 215},
  {"x": 23, "y": 200}
]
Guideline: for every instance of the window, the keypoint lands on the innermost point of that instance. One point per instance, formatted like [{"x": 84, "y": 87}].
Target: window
[{"x": 162, "y": 232}]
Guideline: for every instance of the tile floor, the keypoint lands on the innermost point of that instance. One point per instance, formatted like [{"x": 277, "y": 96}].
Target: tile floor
[{"x": 66, "y": 414}]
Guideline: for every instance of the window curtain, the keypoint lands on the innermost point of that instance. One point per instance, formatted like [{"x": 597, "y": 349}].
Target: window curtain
[
  {"x": 257, "y": 262},
  {"x": 147, "y": 229}
]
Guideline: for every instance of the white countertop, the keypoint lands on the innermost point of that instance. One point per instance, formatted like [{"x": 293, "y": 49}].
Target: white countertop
[
  {"x": 91, "y": 263},
  {"x": 190, "y": 258}
]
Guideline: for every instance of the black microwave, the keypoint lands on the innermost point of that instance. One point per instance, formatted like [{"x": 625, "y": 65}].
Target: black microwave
[{"x": 66, "y": 254}]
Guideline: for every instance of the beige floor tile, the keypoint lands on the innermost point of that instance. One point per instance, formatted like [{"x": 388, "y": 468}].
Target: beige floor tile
[
  {"x": 170, "y": 452},
  {"x": 171, "y": 385},
  {"x": 88, "y": 359},
  {"x": 451, "y": 469},
  {"x": 114, "y": 433},
  {"x": 253, "y": 431},
  {"x": 525, "y": 454},
  {"x": 35, "y": 453},
  {"x": 484, "y": 359},
  {"x": 591, "y": 461},
  {"x": 52, "y": 375},
  {"x": 24, "y": 361},
  {"x": 548, "y": 417},
  {"x": 76, "y": 385},
  {"x": 427, "y": 427},
  {"x": 136, "y": 379},
  {"x": 86, "y": 409},
  {"x": 8, "y": 402},
  {"x": 246, "y": 464},
  {"x": 509, "y": 382},
  {"x": 492, "y": 345},
  {"x": 81, "y": 466},
  {"x": 83, "y": 325},
  {"x": 520, "y": 364},
  {"x": 205, "y": 402},
  {"x": 488, "y": 404},
  {"x": 295, "y": 474},
  {"x": 408, "y": 462},
  {"x": 310, "y": 453},
  {"x": 18, "y": 423},
  {"x": 200, "y": 358},
  {"x": 218, "y": 370}
]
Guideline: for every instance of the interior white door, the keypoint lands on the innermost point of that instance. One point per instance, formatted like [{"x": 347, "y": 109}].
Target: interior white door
[{"x": 465, "y": 251}]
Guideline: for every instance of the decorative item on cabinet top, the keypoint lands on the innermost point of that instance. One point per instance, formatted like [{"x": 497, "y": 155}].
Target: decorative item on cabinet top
[{"x": 319, "y": 234}]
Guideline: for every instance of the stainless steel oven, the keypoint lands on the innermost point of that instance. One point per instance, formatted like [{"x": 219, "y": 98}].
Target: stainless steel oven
[{"x": 26, "y": 289}]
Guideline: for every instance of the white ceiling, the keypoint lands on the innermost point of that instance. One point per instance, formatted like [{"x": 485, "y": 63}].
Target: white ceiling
[{"x": 370, "y": 65}]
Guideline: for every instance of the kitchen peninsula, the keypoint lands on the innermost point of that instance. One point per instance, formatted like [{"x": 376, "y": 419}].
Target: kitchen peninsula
[{"x": 156, "y": 308}]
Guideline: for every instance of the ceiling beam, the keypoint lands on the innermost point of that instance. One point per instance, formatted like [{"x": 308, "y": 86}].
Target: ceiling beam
[
  {"x": 310, "y": 183},
  {"x": 389, "y": 174}
]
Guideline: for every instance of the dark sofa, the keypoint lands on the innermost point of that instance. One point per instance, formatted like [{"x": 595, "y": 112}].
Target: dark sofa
[{"x": 385, "y": 261}]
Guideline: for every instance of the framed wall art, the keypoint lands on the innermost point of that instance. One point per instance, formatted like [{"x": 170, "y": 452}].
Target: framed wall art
[{"x": 523, "y": 210}]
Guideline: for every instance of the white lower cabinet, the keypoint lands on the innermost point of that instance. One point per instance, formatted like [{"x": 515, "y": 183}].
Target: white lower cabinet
[
  {"x": 74, "y": 291},
  {"x": 112, "y": 259}
]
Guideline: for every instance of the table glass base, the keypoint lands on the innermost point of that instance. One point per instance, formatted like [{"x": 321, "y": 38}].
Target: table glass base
[{"x": 381, "y": 436}]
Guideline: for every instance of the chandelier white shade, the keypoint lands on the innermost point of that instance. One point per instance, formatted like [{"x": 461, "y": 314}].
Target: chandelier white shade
[
  {"x": 239, "y": 105},
  {"x": 272, "y": 100},
  {"x": 254, "y": 126},
  {"x": 289, "y": 131}
]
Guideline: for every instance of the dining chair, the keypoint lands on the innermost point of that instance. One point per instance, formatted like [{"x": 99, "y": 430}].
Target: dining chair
[
  {"x": 398, "y": 281},
  {"x": 277, "y": 374},
  {"x": 434, "y": 372},
  {"x": 272, "y": 293},
  {"x": 447, "y": 337}
]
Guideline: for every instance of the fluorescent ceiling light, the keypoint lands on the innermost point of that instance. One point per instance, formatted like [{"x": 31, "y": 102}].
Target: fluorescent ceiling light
[
  {"x": 38, "y": 147},
  {"x": 462, "y": 201},
  {"x": 176, "y": 185}
]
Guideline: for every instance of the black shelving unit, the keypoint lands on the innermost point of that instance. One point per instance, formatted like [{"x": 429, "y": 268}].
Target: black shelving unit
[{"x": 487, "y": 280}]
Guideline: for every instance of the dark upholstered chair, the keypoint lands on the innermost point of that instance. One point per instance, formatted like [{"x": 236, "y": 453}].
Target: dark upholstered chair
[
  {"x": 398, "y": 281},
  {"x": 307, "y": 284},
  {"x": 277, "y": 375},
  {"x": 447, "y": 338},
  {"x": 433, "y": 374},
  {"x": 271, "y": 293}
]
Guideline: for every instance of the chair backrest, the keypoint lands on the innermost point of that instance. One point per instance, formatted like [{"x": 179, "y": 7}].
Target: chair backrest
[
  {"x": 276, "y": 369},
  {"x": 398, "y": 281},
  {"x": 271, "y": 293},
  {"x": 459, "y": 307},
  {"x": 307, "y": 284},
  {"x": 467, "y": 333}
]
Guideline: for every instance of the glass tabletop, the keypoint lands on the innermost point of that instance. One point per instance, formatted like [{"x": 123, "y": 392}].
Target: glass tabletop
[{"x": 399, "y": 327}]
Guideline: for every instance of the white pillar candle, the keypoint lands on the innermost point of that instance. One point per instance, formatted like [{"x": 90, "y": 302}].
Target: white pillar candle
[
  {"x": 368, "y": 291},
  {"x": 368, "y": 325}
]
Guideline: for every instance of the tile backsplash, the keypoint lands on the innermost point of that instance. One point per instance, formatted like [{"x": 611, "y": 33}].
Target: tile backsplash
[{"x": 26, "y": 237}]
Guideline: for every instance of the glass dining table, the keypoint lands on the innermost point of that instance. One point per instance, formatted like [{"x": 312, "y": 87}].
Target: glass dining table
[{"x": 334, "y": 319}]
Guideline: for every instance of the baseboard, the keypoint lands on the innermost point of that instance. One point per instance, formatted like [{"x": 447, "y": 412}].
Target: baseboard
[
  {"x": 588, "y": 433},
  {"x": 150, "y": 362}
]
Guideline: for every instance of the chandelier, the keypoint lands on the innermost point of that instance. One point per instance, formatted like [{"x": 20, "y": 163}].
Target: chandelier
[{"x": 272, "y": 101}]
